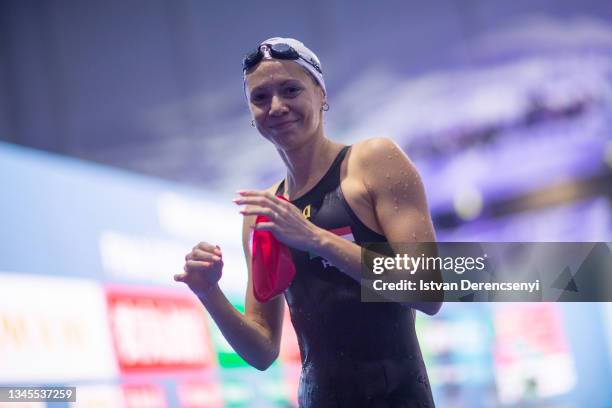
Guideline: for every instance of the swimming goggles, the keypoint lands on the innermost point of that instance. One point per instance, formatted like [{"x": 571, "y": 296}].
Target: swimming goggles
[{"x": 278, "y": 51}]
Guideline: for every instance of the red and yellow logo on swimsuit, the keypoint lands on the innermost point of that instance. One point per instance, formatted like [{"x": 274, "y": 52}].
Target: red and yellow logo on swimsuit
[{"x": 306, "y": 212}]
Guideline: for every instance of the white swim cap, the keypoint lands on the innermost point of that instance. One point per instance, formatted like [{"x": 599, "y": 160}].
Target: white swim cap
[{"x": 304, "y": 57}]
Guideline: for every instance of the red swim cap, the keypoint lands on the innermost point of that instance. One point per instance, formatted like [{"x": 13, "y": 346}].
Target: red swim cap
[{"x": 272, "y": 265}]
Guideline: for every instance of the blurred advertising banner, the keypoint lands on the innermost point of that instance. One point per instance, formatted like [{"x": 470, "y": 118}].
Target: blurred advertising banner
[
  {"x": 532, "y": 357},
  {"x": 157, "y": 329},
  {"x": 49, "y": 326}
]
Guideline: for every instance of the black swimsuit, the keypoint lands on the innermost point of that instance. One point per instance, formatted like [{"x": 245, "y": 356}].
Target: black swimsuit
[{"x": 353, "y": 354}]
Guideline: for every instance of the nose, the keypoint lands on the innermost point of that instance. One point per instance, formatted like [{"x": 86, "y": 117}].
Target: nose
[{"x": 278, "y": 106}]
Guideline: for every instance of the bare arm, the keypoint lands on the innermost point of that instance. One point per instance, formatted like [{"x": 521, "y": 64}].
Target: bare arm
[
  {"x": 256, "y": 335},
  {"x": 399, "y": 203}
]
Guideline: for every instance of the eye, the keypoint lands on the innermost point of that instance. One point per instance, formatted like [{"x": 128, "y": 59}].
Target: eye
[
  {"x": 258, "y": 97},
  {"x": 292, "y": 90}
]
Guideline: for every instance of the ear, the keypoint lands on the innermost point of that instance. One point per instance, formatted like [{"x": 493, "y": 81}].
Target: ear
[{"x": 323, "y": 97}]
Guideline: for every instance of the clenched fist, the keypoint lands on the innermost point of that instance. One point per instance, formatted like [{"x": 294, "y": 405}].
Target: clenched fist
[{"x": 203, "y": 268}]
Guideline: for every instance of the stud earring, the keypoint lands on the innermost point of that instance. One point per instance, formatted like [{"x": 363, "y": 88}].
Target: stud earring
[
  {"x": 253, "y": 123},
  {"x": 325, "y": 107}
]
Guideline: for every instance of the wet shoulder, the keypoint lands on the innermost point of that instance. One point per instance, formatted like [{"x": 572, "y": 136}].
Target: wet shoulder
[
  {"x": 380, "y": 161},
  {"x": 376, "y": 150}
]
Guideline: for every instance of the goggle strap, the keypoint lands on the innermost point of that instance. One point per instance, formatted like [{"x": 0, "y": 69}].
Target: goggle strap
[{"x": 289, "y": 53}]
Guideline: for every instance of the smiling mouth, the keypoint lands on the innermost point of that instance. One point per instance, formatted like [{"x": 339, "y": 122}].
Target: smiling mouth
[{"x": 283, "y": 125}]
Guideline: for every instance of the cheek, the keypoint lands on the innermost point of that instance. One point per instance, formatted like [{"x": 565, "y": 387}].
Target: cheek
[
  {"x": 258, "y": 114},
  {"x": 312, "y": 114}
]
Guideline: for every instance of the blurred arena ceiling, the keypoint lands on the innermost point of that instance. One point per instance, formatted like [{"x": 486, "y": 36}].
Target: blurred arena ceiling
[{"x": 155, "y": 86}]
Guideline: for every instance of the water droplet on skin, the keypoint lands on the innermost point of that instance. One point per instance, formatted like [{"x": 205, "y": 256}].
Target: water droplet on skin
[
  {"x": 388, "y": 176},
  {"x": 388, "y": 157},
  {"x": 396, "y": 208},
  {"x": 414, "y": 236}
]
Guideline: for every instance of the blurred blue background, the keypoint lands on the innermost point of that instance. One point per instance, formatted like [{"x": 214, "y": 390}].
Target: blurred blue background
[{"x": 124, "y": 132}]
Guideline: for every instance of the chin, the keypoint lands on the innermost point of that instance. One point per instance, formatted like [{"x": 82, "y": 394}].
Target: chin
[{"x": 288, "y": 140}]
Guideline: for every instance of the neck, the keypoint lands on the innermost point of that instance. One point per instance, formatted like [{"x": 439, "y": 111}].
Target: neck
[{"x": 308, "y": 163}]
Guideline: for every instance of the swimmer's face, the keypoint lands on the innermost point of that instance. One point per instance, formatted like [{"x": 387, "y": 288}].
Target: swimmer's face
[{"x": 285, "y": 102}]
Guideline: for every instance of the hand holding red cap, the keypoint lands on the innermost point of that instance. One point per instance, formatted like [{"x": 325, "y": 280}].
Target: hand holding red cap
[{"x": 272, "y": 265}]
